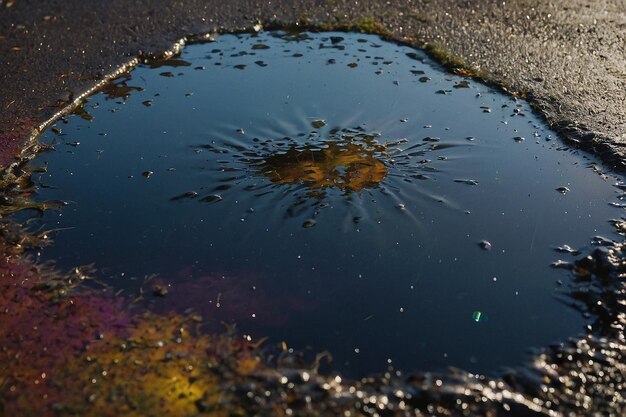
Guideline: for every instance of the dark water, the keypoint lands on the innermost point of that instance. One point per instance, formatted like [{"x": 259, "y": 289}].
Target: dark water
[{"x": 333, "y": 191}]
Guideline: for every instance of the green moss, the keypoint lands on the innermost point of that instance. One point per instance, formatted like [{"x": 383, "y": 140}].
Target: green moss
[
  {"x": 363, "y": 25},
  {"x": 453, "y": 63},
  {"x": 442, "y": 54},
  {"x": 369, "y": 25}
]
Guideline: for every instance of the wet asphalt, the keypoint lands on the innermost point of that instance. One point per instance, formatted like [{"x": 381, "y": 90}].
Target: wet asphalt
[{"x": 567, "y": 57}]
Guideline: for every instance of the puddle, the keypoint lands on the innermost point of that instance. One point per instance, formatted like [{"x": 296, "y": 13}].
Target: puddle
[{"x": 332, "y": 191}]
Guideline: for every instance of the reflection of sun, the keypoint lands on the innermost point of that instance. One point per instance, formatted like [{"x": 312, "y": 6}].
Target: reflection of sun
[{"x": 347, "y": 165}]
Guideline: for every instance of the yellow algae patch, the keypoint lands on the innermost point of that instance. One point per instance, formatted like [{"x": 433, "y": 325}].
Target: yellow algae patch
[
  {"x": 160, "y": 369},
  {"x": 71, "y": 353}
]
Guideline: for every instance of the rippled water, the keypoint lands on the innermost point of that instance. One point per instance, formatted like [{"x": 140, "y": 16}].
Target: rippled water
[{"x": 332, "y": 191}]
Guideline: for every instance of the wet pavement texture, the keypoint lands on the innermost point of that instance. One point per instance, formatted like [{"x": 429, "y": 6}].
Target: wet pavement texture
[{"x": 568, "y": 57}]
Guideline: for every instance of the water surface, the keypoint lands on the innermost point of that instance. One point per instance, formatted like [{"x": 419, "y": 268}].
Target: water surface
[{"x": 332, "y": 191}]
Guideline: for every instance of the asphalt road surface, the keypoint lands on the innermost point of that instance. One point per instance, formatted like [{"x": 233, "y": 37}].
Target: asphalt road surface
[{"x": 568, "y": 57}]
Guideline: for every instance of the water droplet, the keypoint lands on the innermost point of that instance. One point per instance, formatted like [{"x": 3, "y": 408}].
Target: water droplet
[
  {"x": 309, "y": 223},
  {"x": 567, "y": 249},
  {"x": 562, "y": 190},
  {"x": 466, "y": 181},
  {"x": 485, "y": 245},
  {"x": 213, "y": 198},
  {"x": 147, "y": 174},
  {"x": 318, "y": 124},
  {"x": 188, "y": 194},
  {"x": 519, "y": 139},
  {"x": 561, "y": 264},
  {"x": 159, "y": 290}
]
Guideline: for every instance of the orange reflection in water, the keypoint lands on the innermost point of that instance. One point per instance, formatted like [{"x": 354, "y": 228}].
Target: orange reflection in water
[{"x": 348, "y": 165}]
